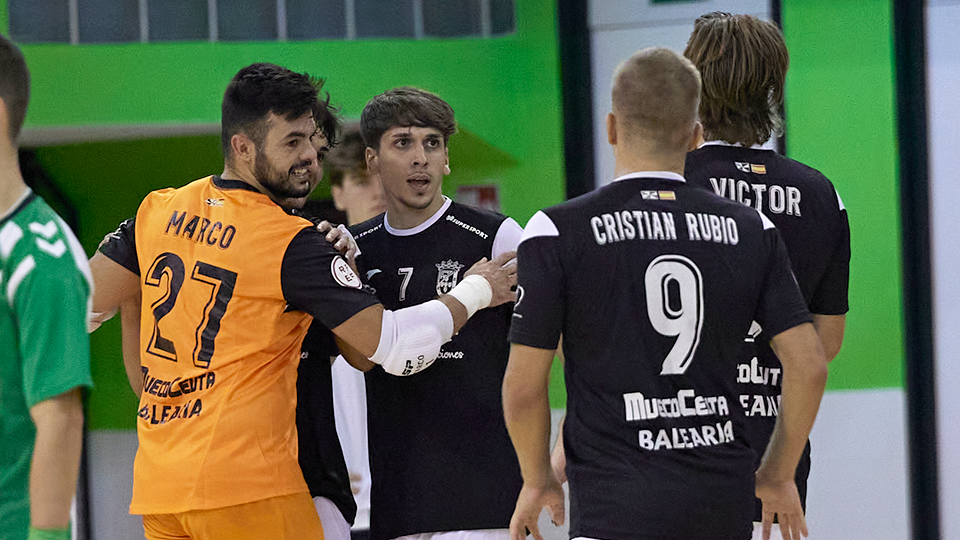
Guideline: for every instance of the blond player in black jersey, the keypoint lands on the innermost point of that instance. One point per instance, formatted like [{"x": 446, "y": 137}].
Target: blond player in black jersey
[{"x": 653, "y": 283}]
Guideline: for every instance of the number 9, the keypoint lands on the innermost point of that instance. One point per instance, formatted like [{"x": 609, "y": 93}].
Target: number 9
[{"x": 675, "y": 307}]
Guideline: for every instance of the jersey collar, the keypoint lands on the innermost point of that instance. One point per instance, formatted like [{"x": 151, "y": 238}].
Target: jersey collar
[
  {"x": 421, "y": 227},
  {"x": 734, "y": 145},
  {"x": 24, "y": 200},
  {"x": 224, "y": 183},
  {"x": 663, "y": 175}
]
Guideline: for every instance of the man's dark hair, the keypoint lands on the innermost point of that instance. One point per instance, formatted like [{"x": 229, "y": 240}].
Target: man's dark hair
[
  {"x": 347, "y": 157},
  {"x": 14, "y": 86},
  {"x": 405, "y": 107},
  {"x": 260, "y": 89},
  {"x": 743, "y": 65}
]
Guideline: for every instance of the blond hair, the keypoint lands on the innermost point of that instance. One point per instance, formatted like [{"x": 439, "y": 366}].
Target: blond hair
[{"x": 655, "y": 97}]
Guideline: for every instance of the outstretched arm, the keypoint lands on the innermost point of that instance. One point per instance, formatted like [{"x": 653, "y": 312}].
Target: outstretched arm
[
  {"x": 116, "y": 287},
  {"x": 408, "y": 340}
]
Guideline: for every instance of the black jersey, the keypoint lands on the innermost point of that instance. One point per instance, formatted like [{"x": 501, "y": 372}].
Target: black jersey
[
  {"x": 813, "y": 223},
  {"x": 652, "y": 284},
  {"x": 440, "y": 455},
  {"x": 321, "y": 456}
]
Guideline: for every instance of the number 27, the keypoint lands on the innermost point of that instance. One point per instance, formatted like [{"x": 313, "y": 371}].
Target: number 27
[{"x": 221, "y": 282}]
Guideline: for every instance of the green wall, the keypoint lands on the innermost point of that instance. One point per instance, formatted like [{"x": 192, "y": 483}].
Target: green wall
[
  {"x": 505, "y": 92},
  {"x": 841, "y": 120}
]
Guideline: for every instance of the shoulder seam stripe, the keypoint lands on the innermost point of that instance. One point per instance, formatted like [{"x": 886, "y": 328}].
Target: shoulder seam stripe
[{"x": 19, "y": 274}]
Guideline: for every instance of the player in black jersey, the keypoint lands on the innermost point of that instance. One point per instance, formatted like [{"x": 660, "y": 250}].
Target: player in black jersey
[
  {"x": 440, "y": 457},
  {"x": 743, "y": 62},
  {"x": 652, "y": 283}
]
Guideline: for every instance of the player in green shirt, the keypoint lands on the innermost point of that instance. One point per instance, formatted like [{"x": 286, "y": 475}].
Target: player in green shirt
[{"x": 45, "y": 290}]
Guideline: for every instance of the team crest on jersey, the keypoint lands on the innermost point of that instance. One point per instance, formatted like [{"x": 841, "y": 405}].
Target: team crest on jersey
[
  {"x": 343, "y": 274},
  {"x": 214, "y": 202},
  {"x": 658, "y": 195},
  {"x": 751, "y": 167},
  {"x": 447, "y": 274}
]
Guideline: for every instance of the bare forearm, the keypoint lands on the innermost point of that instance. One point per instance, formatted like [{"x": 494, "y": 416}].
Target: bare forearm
[
  {"x": 56, "y": 459},
  {"x": 526, "y": 408},
  {"x": 130, "y": 342},
  {"x": 830, "y": 329},
  {"x": 804, "y": 379}
]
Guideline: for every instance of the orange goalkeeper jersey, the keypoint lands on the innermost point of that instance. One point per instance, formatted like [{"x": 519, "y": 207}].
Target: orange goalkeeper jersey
[{"x": 228, "y": 279}]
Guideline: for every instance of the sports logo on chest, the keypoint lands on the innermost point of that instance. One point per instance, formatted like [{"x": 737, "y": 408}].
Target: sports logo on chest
[{"x": 447, "y": 274}]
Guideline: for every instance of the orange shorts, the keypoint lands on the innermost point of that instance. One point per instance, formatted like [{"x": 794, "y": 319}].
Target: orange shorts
[{"x": 290, "y": 517}]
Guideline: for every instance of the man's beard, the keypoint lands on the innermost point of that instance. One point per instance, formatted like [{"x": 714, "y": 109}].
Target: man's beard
[{"x": 278, "y": 182}]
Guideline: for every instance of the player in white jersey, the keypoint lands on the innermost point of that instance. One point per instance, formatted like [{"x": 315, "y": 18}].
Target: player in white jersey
[
  {"x": 652, "y": 283},
  {"x": 45, "y": 289}
]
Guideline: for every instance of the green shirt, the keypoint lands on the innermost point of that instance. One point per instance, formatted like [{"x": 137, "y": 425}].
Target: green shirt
[{"x": 45, "y": 296}]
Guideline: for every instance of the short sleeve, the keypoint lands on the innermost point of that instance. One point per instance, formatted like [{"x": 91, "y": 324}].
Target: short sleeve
[
  {"x": 831, "y": 294},
  {"x": 507, "y": 238},
  {"x": 781, "y": 303},
  {"x": 120, "y": 246},
  {"x": 316, "y": 279},
  {"x": 538, "y": 312},
  {"x": 51, "y": 309}
]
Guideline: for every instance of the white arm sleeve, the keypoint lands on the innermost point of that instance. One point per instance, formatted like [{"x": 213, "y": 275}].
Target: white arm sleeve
[{"x": 410, "y": 338}]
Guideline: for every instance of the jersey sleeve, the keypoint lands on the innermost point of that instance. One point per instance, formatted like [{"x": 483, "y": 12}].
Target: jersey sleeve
[
  {"x": 121, "y": 246},
  {"x": 538, "y": 312},
  {"x": 320, "y": 344},
  {"x": 316, "y": 279},
  {"x": 507, "y": 238},
  {"x": 781, "y": 303},
  {"x": 51, "y": 308},
  {"x": 831, "y": 294}
]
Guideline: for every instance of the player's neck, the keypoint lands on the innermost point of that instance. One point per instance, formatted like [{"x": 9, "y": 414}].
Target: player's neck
[
  {"x": 247, "y": 177},
  {"x": 631, "y": 164},
  {"x": 12, "y": 185},
  {"x": 402, "y": 216}
]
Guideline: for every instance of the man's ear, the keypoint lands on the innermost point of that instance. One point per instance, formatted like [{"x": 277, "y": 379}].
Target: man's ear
[
  {"x": 373, "y": 163},
  {"x": 446, "y": 157},
  {"x": 335, "y": 192},
  {"x": 611, "y": 129},
  {"x": 697, "y": 137},
  {"x": 244, "y": 150}
]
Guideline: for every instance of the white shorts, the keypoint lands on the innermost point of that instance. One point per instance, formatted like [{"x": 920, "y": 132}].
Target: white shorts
[
  {"x": 335, "y": 526},
  {"x": 774, "y": 531},
  {"x": 482, "y": 534}
]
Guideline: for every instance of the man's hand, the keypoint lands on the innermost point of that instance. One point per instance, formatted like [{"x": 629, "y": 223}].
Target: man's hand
[
  {"x": 558, "y": 459},
  {"x": 529, "y": 503},
  {"x": 501, "y": 274},
  {"x": 781, "y": 499},
  {"x": 342, "y": 241}
]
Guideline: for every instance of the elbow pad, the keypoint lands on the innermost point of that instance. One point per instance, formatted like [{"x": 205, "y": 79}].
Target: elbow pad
[{"x": 410, "y": 338}]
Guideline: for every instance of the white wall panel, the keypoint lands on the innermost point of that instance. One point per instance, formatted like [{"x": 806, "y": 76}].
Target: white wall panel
[{"x": 943, "y": 57}]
